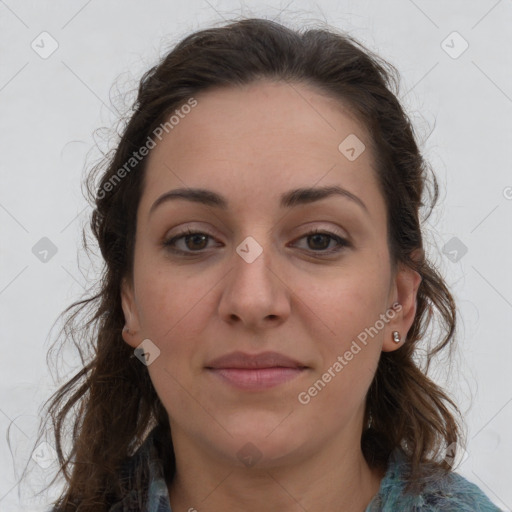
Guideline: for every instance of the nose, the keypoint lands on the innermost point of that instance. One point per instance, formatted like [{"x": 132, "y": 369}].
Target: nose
[{"x": 255, "y": 292}]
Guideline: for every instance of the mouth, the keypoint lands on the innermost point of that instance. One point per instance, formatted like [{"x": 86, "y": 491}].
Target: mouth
[{"x": 255, "y": 372}]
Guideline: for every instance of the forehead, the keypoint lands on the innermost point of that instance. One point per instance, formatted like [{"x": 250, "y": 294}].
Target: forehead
[{"x": 259, "y": 140}]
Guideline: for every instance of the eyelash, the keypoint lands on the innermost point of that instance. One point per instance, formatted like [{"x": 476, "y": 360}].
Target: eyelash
[{"x": 342, "y": 242}]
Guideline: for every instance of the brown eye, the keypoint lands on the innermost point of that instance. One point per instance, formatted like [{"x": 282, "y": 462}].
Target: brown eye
[
  {"x": 319, "y": 241},
  {"x": 191, "y": 241},
  {"x": 196, "y": 241}
]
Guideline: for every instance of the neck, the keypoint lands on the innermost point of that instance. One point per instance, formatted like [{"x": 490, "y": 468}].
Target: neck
[{"x": 318, "y": 482}]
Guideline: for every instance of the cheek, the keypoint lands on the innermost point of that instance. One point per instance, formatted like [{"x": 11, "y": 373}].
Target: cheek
[
  {"x": 349, "y": 356},
  {"x": 175, "y": 314},
  {"x": 167, "y": 303},
  {"x": 174, "y": 318},
  {"x": 349, "y": 301},
  {"x": 350, "y": 306}
]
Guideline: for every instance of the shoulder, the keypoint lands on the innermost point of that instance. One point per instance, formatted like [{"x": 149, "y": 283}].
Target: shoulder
[
  {"x": 441, "y": 491},
  {"x": 453, "y": 492}
]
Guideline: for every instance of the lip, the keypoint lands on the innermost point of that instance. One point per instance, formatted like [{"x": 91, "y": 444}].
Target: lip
[
  {"x": 255, "y": 371},
  {"x": 241, "y": 360}
]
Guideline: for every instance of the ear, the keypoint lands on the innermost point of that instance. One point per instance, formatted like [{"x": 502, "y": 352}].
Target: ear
[
  {"x": 131, "y": 332},
  {"x": 404, "y": 290}
]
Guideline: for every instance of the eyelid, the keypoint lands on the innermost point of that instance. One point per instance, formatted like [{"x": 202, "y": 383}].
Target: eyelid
[
  {"x": 302, "y": 230},
  {"x": 321, "y": 228},
  {"x": 343, "y": 241}
]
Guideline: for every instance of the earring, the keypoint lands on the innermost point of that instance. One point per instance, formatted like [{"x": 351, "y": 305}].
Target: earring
[
  {"x": 125, "y": 329},
  {"x": 396, "y": 337}
]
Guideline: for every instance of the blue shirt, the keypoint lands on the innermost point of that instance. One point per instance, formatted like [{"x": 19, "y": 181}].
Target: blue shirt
[{"x": 448, "y": 493}]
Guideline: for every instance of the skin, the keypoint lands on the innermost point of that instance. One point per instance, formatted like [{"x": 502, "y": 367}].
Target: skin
[{"x": 251, "y": 144}]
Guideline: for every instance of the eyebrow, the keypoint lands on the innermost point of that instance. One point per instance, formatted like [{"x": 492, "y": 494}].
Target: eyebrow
[{"x": 290, "y": 199}]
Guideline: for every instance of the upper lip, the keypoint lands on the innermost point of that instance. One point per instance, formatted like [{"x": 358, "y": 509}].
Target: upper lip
[{"x": 263, "y": 360}]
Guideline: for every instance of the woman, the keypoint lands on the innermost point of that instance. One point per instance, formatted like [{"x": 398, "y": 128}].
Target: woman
[{"x": 265, "y": 293}]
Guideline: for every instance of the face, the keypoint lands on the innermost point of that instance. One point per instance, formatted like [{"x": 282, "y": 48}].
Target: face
[{"x": 254, "y": 279}]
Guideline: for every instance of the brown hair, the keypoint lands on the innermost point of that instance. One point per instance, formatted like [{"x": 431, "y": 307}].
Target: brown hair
[{"x": 116, "y": 404}]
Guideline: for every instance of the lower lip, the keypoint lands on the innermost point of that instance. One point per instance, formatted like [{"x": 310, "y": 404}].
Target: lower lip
[{"x": 257, "y": 379}]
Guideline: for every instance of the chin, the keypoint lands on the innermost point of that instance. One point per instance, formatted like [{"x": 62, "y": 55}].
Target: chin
[{"x": 262, "y": 443}]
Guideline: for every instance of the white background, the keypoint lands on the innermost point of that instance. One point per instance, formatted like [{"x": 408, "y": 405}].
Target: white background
[{"x": 51, "y": 106}]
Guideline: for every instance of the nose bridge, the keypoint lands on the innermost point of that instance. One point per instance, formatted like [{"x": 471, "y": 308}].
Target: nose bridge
[
  {"x": 252, "y": 292},
  {"x": 252, "y": 263},
  {"x": 255, "y": 242}
]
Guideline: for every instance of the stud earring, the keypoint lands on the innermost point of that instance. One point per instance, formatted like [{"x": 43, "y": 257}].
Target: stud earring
[
  {"x": 125, "y": 329},
  {"x": 396, "y": 337}
]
